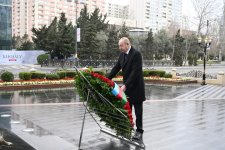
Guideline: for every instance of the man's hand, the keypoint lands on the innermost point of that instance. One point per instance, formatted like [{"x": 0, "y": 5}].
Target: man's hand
[{"x": 123, "y": 88}]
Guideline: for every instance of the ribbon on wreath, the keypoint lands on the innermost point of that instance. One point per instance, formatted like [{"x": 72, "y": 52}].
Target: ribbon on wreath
[{"x": 118, "y": 92}]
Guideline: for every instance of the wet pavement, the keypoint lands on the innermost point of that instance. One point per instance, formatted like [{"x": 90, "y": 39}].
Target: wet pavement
[
  {"x": 69, "y": 95},
  {"x": 191, "y": 119}
]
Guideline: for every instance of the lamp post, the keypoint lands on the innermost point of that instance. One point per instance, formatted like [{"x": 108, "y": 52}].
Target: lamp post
[
  {"x": 76, "y": 2},
  {"x": 204, "y": 44}
]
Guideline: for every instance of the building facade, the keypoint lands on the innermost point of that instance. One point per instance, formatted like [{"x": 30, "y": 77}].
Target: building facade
[
  {"x": 118, "y": 15},
  {"x": 139, "y": 11},
  {"x": 165, "y": 12},
  {"x": 155, "y": 14},
  {"x": 37, "y": 13},
  {"x": 117, "y": 11},
  {"x": 5, "y": 24}
]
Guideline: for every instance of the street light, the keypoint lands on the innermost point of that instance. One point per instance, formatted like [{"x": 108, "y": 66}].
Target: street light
[
  {"x": 204, "y": 44},
  {"x": 76, "y": 1}
]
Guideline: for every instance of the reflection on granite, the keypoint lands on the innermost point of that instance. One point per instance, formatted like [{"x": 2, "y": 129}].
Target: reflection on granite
[
  {"x": 70, "y": 95},
  {"x": 169, "y": 124}
]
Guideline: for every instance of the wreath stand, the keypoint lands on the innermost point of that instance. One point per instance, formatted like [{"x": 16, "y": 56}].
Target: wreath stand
[{"x": 93, "y": 94}]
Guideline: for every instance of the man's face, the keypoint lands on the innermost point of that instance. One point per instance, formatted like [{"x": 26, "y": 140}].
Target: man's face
[{"x": 123, "y": 46}]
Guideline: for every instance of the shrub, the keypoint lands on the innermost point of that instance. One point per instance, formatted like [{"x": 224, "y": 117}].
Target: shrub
[
  {"x": 159, "y": 73},
  {"x": 64, "y": 74},
  {"x": 146, "y": 73},
  {"x": 61, "y": 74},
  {"x": 7, "y": 76},
  {"x": 71, "y": 74},
  {"x": 52, "y": 76},
  {"x": 41, "y": 58},
  {"x": 25, "y": 75},
  {"x": 37, "y": 75},
  {"x": 168, "y": 75}
]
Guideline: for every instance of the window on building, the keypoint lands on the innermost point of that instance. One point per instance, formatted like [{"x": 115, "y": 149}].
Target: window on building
[{"x": 40, "y": 6}]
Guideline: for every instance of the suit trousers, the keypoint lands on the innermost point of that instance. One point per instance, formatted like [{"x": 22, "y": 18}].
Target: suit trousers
[{"x": 138, "y": 108}]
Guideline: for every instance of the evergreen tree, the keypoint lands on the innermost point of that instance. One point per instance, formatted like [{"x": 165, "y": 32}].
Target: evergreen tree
[
  {"x": 162, "y": 45},
  {"x": 16, "y": 42},
  {"x": 178, "y": 53},
  {"x": 149, "y": 50},
  {"x": 27, "y": 45},
  {"x": 124, "y": 31},
  {"x": 52, "y": 38},
  {"x": 98, "y": 20},
  {"x": 90, "y": 26},
  {"x": 69, "y": 40},
  {"x": 112, "y": 44},
  {"x": 40, "y": 38},
  {"x": 56, "y": 39},
  {"x": 83, "y": 20},
  {"x": 102, "y": 37}
]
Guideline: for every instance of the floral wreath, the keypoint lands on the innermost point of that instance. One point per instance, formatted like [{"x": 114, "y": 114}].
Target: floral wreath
[{"x": 114, "y": 94}]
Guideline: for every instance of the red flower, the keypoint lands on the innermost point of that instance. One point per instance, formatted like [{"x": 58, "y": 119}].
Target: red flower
[
  {"x": 112, "y": 84},
  {"x": 104, "y": 79},
  {"x": 129, "y": 112}
]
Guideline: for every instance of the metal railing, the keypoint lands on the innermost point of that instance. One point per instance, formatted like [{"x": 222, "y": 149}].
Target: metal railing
[
  {"x": 197, "y": 74},
  {"x": 101, "y": 63}
]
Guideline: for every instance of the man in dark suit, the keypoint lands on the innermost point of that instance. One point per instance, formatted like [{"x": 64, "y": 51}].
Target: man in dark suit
[{"x": 130, "y": 61}]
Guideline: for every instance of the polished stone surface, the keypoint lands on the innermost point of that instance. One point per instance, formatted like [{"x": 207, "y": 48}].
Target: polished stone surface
[
  {"x": 69, "y": 95},
  {"x": 190, "y": 121}
]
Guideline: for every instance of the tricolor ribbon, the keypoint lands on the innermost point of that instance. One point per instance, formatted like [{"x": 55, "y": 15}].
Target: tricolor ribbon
[{"x": 119, "y": 94}]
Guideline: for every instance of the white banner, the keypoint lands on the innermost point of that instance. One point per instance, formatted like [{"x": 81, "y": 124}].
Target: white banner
[
  {"x": 78, "y": 34},
  {"x": 19, "y": 57}
]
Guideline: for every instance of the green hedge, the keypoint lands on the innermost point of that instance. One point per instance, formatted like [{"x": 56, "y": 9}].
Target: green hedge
[
  {"x": 61, "y": 74},
  {"x": 64, "y": 74},
  {"x": 146, "y": 73},
  {"x": 41, "y": 58},
  {"x": 7, "y": 76},
  {"x": 52, "y": 76},
  {"x": 37, "y": 75},
  {"x": 159, "y": 73},
  {"x": 168, "y": 75},
  {"x": 71, "y": 74},
  {"x": 25, "y": 75}
]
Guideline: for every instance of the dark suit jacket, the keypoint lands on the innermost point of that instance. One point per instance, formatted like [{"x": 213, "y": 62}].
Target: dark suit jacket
[{"x": 132, "y": 75}]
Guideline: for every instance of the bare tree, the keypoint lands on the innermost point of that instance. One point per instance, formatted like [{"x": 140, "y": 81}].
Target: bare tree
[
  {"x": 172, "y": 28},
  {"x": 214, "y": 33},
  {"x": 221, "y": 41},
  {"x": 205, "y": 9}
]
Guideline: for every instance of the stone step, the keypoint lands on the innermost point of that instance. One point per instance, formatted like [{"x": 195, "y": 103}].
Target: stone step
[{"x": 204, "y": 92}]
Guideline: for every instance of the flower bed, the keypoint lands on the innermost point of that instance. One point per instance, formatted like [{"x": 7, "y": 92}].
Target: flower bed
[
  {"x": 68, "y": 82},
  {"x": 160, "y": 80},
  {"x": 36, "y": 83}
]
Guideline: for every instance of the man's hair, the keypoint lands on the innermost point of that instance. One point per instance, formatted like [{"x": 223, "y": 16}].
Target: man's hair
[{"x": 125, "y": 40}]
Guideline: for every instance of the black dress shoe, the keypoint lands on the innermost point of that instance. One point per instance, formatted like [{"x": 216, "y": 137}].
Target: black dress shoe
[{"x": 137, "y": 136}]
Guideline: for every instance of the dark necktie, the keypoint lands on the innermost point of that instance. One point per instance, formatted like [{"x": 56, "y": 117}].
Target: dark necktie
[{"x": 125, "y": 58}]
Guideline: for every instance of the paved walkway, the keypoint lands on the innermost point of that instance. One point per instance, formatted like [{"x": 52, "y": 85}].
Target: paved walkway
[
  {"x": 193, "y": 121},
  {"x": 205, "y": 92}
]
